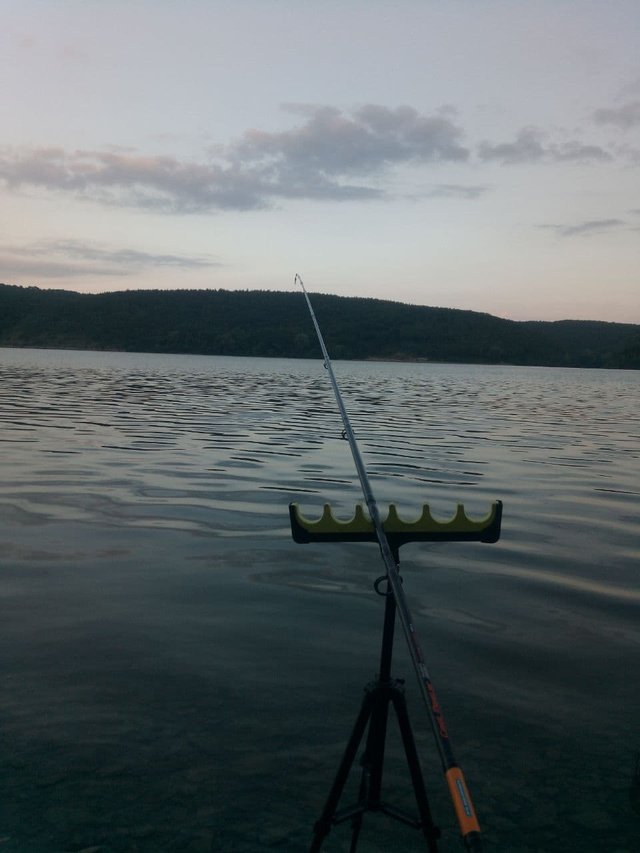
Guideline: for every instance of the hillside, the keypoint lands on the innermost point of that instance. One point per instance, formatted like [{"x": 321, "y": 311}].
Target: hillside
[{"x": 266, "y": 323}]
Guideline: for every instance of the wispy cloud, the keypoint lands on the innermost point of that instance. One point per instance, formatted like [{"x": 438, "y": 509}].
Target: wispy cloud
[
  {"x": 578, "y": 152},
  {"x": 464, "y": 191},
  {"x": 530, "y": 146},
  {"x": 72, "y": 258},
  {"x": 590, "y": 226},
  {"x": 626, "y": 116},
  {"x": 131, "y": 259},
  {"x": 16, "y": 268}
]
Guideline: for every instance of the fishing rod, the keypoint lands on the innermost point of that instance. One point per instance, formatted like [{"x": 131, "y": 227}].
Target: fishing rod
[{"x": 463, "y": 805}]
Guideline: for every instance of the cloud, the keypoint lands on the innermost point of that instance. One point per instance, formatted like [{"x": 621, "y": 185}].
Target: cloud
[
  {"x": 578, "y": 152},
  {"x": 625, "y": 116},
  {"x": 129, "y": 178},
  {"x": 330, "y": 155},
  {"x": 70, "y": 258},
  {"x": 590, "y": 226},
  {"x": 526, "y": 148},
  {"x": 331, "y": 142},
  {"x": 128, "y": 258},
  {"x": 470, "y": 191},
  {"x": 530, "y": 146},
  {"x": 16, "y": 268}
]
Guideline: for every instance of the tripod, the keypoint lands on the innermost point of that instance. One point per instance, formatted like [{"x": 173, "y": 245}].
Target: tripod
[
  {"x": 373, "y": 717},
  {"x": 374, "y": 714}
]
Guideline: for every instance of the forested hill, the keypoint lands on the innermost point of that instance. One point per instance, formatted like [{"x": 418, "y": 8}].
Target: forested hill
[{"x": 266, "y": 323}]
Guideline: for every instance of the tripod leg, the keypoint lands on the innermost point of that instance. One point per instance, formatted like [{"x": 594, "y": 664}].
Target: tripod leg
[
  {"x": 323, "y": 825},
  {"x": 356, "y": 820},
  {"x": 355, "y": 832},
  {"x": 373, "y": 758},
  {"x": 429, "y": 829}
]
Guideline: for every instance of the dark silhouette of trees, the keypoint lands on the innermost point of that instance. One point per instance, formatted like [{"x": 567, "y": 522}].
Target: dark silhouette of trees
[{"x": 270, "y": 323}]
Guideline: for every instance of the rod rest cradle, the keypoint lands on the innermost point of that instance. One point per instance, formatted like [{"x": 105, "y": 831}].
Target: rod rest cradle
[{"x": 460, "y": 528}]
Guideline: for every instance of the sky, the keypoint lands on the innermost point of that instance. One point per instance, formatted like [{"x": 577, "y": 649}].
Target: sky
[{"x": 475, "y": 154}]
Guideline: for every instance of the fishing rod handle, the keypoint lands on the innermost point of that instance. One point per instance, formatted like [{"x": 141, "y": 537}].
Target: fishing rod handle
[{"x": 465, "y": 812}]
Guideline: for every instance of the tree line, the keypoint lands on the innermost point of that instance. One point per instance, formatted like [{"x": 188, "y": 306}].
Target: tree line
[{"x": 276, "y": 324}]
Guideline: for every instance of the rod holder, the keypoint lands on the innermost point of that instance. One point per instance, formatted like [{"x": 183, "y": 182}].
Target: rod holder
[{"x": 426, "y": 528}]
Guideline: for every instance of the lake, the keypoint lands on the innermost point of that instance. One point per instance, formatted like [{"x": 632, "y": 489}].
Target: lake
[{"x": 179, "y": 675}]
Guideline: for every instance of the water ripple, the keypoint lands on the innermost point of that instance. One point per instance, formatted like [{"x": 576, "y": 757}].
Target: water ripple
[{"x": 122, "y": 473}]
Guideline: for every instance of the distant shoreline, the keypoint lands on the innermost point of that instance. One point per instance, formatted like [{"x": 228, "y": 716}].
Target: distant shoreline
[
  {"x": 273, "y": 324},
  {"x": 305, "y": 358}
]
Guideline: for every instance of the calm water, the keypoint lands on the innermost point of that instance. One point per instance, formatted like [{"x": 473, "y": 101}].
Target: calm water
[{"x": 178, "y": 675}]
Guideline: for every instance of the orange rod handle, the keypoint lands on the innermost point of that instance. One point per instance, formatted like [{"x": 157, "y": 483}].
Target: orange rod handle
[{"x": 465, "y": 812}]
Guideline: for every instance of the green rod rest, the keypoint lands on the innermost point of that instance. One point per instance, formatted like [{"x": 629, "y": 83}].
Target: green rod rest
[{"x": 426, "y": 528}]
